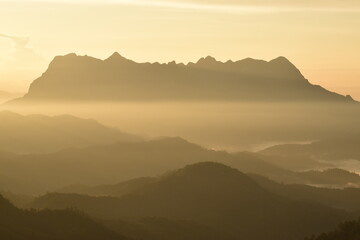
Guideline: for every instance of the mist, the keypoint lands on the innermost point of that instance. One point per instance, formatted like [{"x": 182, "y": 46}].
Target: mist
[
  {"x": 222, "y": 120},
  {"x": 217, "y": 125}
]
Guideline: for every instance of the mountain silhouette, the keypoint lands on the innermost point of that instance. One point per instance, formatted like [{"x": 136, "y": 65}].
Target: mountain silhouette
[
  {"x": 113, "y": 163},
  {"x": 213, "y": 195},
  {"x": 49, "y": 225},
  {"x": 121, "y": 161},
  {"x": 40, "y": 133},
  {"x": 341, "y": 198},
  {"x": 72, "y": 77},
  {"x": 342, "y": 147}
]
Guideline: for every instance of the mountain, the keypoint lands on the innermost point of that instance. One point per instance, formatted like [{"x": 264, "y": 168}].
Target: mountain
[
  {"x": 19, "y": 200},
  {"x": 6, "y": 96},
  {"x": 68, "y": 224},
  {"x": 349, "y": 230},
  {"x": 333, "y": 176},
  {"x": 121, "y": 161},
  {"x": 213, "y": 195},
  {"x": 19, "y": 224},
  {"x": 342, "y": 198},
  {"x": 72, "y": 77},
  {"x": 166, "y": 229},
  {"x": 346, "y": 198},
  {"x": 118, "y": 162},
  {"x": 343, "y": 147},
  {"x": 115, "y": 190},
  {"x": 40, "y": 133}
]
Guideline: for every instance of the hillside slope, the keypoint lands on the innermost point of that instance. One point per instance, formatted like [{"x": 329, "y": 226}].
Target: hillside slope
[{"x": 213, "y": 195}]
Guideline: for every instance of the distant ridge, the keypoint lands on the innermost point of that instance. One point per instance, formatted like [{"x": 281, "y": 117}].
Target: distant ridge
[
  {"x": 26, "y": 134},
  {"x": 6, "y": 96},
  {"x": 83, "y": 78}
]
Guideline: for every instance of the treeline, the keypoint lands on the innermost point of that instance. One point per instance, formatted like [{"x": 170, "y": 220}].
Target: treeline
[
  {"x": 16, "y": 224},
  {"x": 346, "y": 231}
]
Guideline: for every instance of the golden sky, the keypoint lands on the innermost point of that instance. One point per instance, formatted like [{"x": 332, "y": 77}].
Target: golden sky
[{"x": 322, "y": 38}]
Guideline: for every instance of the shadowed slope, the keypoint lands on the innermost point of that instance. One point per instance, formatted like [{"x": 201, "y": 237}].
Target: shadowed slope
[
  {"x": 127, "y": 160},
  {"x": 211, "y": 194},
  {"x": 346, "y": 231},
  {"x": 19, "y": 224},
  {"x": 119, "y": 162}
]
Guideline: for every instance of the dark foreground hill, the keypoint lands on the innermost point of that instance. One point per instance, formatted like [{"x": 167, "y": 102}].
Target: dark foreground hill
[
  {"x": 16, "y": 224},
  {"x": 346, "y": 231},
  {"x": 40, "y": 133},
  {"x": 209, "y": 194},
  {"x": 84, "y": 78}
]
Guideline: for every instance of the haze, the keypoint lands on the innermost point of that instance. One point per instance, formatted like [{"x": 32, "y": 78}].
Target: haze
[
  {"x": 179, "y": 120},
  {"x": 320, "y": 38}
]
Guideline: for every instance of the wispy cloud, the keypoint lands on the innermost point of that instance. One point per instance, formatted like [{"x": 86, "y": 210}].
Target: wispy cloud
[
  {"x": 231, "y": 7},
  {"x": 19, "y": 42},
  {"x": 21, "y": 53},
  {"x": 220, "y": 6}
]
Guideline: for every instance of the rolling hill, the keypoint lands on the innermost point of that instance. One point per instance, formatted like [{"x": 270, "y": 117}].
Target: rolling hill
[
  {"x": 118, "y": 162},
  {"x": 213, "y": 195},
  {"x": 112, "y": 163},
  {"x": 340, "y": 198},
  {"x": 44, "y": 134},
  {"x": 343, "y": 147}
]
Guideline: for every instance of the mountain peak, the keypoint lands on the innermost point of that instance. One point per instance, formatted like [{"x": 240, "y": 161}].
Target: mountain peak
[
  {"x": 349, "y": 98},
  {"x": 115, "y": 57},
  {"x": 218, "y": 172},
  {"x": 282, "y": 61},
  {"x": 207, "y": 60},
  {"x": 209, "y": 167}
]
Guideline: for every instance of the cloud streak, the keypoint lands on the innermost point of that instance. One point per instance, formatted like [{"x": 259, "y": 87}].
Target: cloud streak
[
  {"x": 19, "y": 42},
  {"x": 216, "y": 6},
  {"x": 21, "y": 55},
  {"x": 234, "y": 8}
]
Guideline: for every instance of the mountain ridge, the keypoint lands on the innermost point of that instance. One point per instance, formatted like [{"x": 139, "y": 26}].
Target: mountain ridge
[
  {"x": 211, "y": 194},
  {"x": 84, "y": 78},
  {"x": 53, "y": 132}
]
